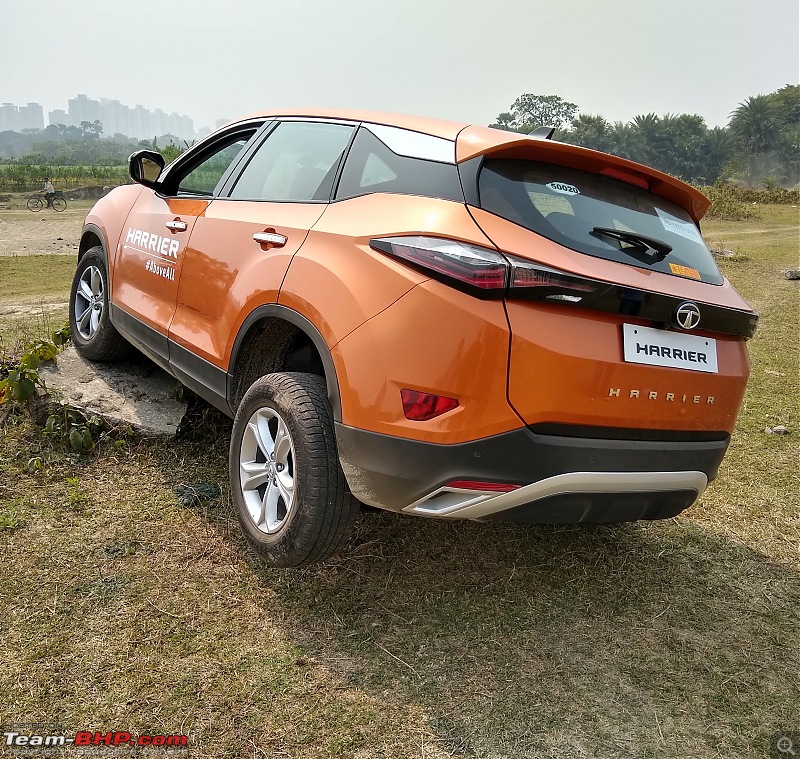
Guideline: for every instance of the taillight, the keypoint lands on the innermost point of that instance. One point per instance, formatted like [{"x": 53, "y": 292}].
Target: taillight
[
  {"x": 477, "y": 270},
  {"x": 419, "y": 406},
  {"x": 486, "y": 273},
  {"x": 540, "y": 282}
]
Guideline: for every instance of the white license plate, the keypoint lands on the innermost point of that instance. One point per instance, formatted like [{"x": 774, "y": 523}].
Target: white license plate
[{"x": 660, "y": 347}]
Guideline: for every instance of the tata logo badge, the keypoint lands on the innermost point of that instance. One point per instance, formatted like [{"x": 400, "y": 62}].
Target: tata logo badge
[{"x": 687, "y": 315}]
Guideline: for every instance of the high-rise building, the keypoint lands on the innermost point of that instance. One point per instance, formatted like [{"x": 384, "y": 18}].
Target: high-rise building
[
  {"x": 58, "y": 117},
  {"x": 83, "y": 108},
  {"x": 116, "y": 118},
  {"x": 15, "y": 119}
]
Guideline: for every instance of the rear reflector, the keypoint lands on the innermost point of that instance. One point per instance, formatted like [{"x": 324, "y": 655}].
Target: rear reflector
[
  {"x": 492, "y": 487},
  {"x": 480, "y": 271},
  {"x": 419, "y": 407}
]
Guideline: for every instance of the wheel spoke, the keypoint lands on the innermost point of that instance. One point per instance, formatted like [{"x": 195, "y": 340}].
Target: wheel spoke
[
  {"x": 83, "y": 321},
  {"x": 85, "y": 289},
  {"x": 286, "y": 489},
  {"x": 271, "y": 497},
  {"x": 97, "y": 282},
  {"x": 95, "y": 320},
  {"x": 253, "y": 475},
  {"x": 264, "y": 435},
  {"x": 282, "y": 439}
]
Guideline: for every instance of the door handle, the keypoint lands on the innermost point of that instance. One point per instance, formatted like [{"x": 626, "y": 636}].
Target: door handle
[
  {"x": 270, "y": 238},
  {"x": 176, "y": 226}
]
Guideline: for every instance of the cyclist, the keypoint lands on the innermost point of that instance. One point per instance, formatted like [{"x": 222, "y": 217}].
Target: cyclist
[{"x": 49, "y": 192}]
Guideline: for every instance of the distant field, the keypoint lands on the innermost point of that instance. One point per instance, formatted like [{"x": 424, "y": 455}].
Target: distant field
[
  {"x": 29, "y": 177},
  {"x": 125, "y": 606}
]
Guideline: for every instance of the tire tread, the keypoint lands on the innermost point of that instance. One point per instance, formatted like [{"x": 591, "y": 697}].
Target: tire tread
[{"x": 327, "y": 512}]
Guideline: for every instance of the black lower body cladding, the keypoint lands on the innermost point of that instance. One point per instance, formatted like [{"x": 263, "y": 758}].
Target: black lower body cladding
[{"x": 393, "y": 473}]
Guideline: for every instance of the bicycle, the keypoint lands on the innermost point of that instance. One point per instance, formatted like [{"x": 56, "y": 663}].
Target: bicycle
[{"x": 37, "y": 202}]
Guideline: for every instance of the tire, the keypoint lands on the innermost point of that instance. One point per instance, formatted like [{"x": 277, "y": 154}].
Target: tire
[
  {"x": 287, "y": 485},
  {"x": 35, "y": 204},
  {"x": 59, "y": 204},
  {"x": 93, "y": 334}
]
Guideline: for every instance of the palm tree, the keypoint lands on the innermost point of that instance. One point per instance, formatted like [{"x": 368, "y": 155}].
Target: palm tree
[
  {"x": 505, "y": 121},
  {"x": 719, "y": 150},
  {"x": 755, "y": 125},
  {"x": 628, "y": 142}
]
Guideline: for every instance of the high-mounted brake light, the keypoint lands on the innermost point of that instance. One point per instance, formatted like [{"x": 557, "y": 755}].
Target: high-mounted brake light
[
  {"x": 477, "y": 270},
  {"x": 626, "y": 176},
  {"x": 419, "y": 406}
]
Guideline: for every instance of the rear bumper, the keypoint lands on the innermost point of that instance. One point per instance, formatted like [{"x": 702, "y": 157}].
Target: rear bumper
[{"x": 560, "y": 478}]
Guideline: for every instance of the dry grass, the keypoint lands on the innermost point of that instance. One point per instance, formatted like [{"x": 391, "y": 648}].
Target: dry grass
[{"x": 120, "y": 607}]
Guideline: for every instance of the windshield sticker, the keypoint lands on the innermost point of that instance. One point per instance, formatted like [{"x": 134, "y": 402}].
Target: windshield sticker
[
  {"x": 564, "y": 189},
  {"x": 679, "y": 226},
  {"x": 684, "y": 271}
]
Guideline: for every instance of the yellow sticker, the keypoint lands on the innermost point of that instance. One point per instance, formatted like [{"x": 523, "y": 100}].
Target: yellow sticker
[{"x": 684, "y": 271}]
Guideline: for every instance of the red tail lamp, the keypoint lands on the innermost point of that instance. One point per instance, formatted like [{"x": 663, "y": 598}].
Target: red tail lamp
[{"x": 419, "y": 407}]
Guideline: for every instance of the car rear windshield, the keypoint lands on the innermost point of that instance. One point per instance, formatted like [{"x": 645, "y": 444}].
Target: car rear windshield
[{"x": 597, "y": 215}]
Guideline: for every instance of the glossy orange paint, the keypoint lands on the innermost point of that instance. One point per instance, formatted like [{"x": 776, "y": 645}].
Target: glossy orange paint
[
  {"x": 566, "y": 366},
  {"x": 338, "y": 282},
  {"x": 433, "y": 339},
  {"x": 389, "y": 326},
  {"x": 146, "y": 274},
  {"x": 227, "y": 274},
  {"x": 109, "y": 213}
]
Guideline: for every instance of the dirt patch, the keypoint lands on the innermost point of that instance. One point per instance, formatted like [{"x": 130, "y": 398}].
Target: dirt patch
[
  {"x": 136, "y": 392},
  {"x": 33, "y": 307},
  {"x": 45, "y": 232}
]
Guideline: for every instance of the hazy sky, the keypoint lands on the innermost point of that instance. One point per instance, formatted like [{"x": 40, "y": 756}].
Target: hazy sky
[{"x": 457, "y": 59}]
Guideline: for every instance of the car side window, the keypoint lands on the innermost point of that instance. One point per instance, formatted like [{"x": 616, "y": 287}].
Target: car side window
[
  {"x": 372, "y": 166},
  {"x": 203, "y": 177},
  {"x": 297, "y": 162}
]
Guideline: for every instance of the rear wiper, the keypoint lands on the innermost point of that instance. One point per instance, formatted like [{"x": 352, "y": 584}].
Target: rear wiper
[{"x": 657, "y": 250}]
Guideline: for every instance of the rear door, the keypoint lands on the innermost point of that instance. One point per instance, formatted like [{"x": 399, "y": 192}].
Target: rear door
[
  {"x": 152, "y": 246},
  {"x": 242, "y": 245}
]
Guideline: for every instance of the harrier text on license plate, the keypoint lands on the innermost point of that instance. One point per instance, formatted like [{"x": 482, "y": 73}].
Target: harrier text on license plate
[{"x": 658, "y": 347}]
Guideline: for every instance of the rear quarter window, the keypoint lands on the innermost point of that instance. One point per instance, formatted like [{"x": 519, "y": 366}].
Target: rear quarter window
[
  {"x": 570, "y": 206},
  {"x": 371, "y": 166}
]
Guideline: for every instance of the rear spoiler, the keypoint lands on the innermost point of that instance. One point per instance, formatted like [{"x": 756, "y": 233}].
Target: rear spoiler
[{"x": 474, "y": 141}]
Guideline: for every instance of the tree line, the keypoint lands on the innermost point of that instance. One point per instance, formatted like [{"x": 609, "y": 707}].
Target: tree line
[
  {"x": 760, "y": 143},
  {"x": 60, "y": 145}
]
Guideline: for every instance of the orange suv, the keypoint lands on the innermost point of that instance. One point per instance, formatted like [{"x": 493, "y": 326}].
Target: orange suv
[{"x": 426, "y": 317}]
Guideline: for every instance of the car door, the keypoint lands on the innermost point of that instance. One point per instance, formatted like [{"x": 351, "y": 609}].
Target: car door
[
  {"x": 241, "y": 247},
  {"x": 152, "y": 246}
]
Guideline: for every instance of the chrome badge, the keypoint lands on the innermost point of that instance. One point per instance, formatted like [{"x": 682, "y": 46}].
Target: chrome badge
[{"x": 687, "y": 315}]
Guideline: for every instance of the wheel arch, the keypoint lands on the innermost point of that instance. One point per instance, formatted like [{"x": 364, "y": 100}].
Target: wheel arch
[
  {"x": 91, "y": 237},
  {"x": 285, "y": 341}
]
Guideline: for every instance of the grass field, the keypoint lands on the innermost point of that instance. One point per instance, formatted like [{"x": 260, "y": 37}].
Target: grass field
[{"x": 124, "y": 606}]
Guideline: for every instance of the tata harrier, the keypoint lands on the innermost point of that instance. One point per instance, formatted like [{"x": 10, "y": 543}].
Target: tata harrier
[{"x": 426, "y": 317}]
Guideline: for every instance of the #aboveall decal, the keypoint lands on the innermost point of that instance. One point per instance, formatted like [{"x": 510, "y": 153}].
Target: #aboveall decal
[{"x": 162, "y": 252}]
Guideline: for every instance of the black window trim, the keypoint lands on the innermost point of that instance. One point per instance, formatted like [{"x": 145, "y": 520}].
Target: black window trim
[
  {"x": 207, "y": 147},
  {"x": 365, "y": 125},
  {"x": 259, "y": 139}
]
